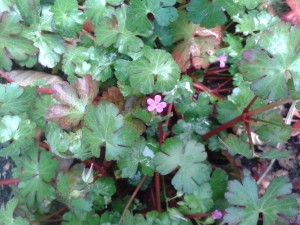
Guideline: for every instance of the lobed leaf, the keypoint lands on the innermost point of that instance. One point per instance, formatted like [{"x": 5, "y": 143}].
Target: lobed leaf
[
  {"x": 72, "y": 101},
  {"x": 162, "y": 10},
  {"x": 188, "y": 158},
  {"x": 194, "y": 44},
  {"x": 12, "y": 44},
  {"x": 154, "y": 71},
  {"x": 273, "y": 62},
  {"x": 211, "y": 13},
  {"x": 104, "y": 126},
  {"x": 112, "y": 31},
  {"x": 14, "y": 100},
  {"x": 67, "y": 19},
  {"x": 37, "y": 169},
  {"x": 17, "y": 133},
  {"x": 7, "y": 211},
  {"x": 247, "y": 206}
]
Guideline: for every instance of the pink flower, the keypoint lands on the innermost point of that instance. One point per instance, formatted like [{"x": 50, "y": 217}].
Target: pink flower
[
  {"x": 222, "y": 59},
  {"x": 216, "y": 215},
  {"x": 155, "y": 104}
]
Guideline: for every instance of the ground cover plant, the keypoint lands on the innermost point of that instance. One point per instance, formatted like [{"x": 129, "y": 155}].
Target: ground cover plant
[{"x": 149, "y": 112}]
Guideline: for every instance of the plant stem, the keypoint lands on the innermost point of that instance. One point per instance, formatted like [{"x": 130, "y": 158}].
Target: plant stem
[
  {"x": 44, "y": 219},
  {"x": 157, "y": 191},
  {"x": 132, "y": 198},
  {"x": 10, "y": 181},
  {"x": 243, "y": 117},
  {"x": 6, "y": 77}
]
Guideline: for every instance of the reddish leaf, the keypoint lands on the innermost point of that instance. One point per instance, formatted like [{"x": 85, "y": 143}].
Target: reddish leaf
[
  {"x": 292, "y": 16},
  {"x": 72, "y": 101},
  {"x": 88, "y": 26},
  {"x": 114, "y": 95},
  {"x": 196, "y": 44},
  {"x": 87, "y": 89},
  {"x": 30, "y": 77}
]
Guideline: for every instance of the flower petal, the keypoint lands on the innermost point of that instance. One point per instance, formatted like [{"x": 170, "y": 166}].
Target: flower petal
[
  {"x": 150, "y": 101},
  {"x": 222, "y": 64},
  {"x": 159, "y": 109},
  {"x": 157, "y": 99},
  {"x": 151, "y": 108},
  {"x": 162, "y": 104}
]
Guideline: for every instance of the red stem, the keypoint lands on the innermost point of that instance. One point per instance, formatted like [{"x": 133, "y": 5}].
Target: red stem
[
  {"x": 157, "y": 191},
  {"x": 222, "y": 85},
  {"x": 10, "y": 181},
  {"x": 245, "y": 116},
  {"x": 4, "y": 75},
  {"x": 250, "y": 104},
  {"x": 214, "y": 71},
  {"x": 44, "y": 145},
  {"x": 45, "y": 219},
  {"x": 197, "y": 216},
  {"x": 223, "y": 127},
  {"x": 100, "y": 169}
]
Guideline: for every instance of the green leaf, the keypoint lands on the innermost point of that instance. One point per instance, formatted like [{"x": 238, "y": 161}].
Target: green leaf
[
  {"x": 235, "y": 46},
  {"x": 200, "y": 201},
  {"x": 195, "y": 109},
  {"x": 71, "y": 218},
  {"x": 104, "y": 126},
  {"x": 6, "y": 214},
  {"x": 73, "y": 101},
  {"x": 249, "y": 4},
  {"x": 210, "y": 13},
  {"x": 275, "y": 154},
  {"x": 154, "y": 71},
  {"x": 274, "y": 130},
  {"x": 66, "y": 145},
  {"x": 51, "y": 46},
  {"x": 29, "y": 10},
  {"x": 39, "y": 110},
  {"x": 12, "y": 44},
  {"x": 14, "y": 100},
  {"x": 218, "y": 183},
  {"x": 246, "y": 208},
  {"x": 67, "y": 19},
  {"x": 98, "y": 9},
  {"x": 112, "y": 31},
  {"x": 139, "y": 156},
  {"x": 95, "y": 61},
  {"x": 181, "y": 91},
  {"x": 163, "y": 33},
  {"x": 100, "y": 193},
  {"x": 163, "y": 11},
  {"x": 234, "y": 145},
  {"x": 236, "y": 103},
  {"x": 16, "y": 132},
  {"x": 189, "y": 159},
  {"x": 70, "y": 186},
  {"x": 273, "y": 62},
  {"x": 254, "y": 21},
  {"x": 5, "y": 5},
  {"x": 191, "y": 129},
  {"x": 37, "y": 169}
]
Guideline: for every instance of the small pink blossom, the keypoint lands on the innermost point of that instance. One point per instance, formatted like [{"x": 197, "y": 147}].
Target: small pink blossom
[
  {"x": 216, "y": 215},
  {"x": 222, "y": 59},
  {"x": 155, "y": 104}
]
